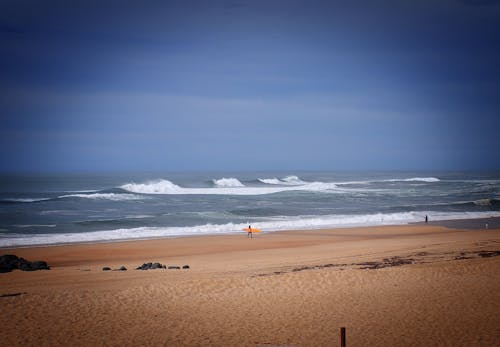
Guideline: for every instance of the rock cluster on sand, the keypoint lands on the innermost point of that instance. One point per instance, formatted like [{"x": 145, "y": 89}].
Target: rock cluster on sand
[
  {"x": 11, "y": 262},
  {"x": 107, "y": 268},
  {"x": 152, "y": 266}
]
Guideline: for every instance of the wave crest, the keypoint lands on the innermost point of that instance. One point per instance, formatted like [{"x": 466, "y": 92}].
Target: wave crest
[
  {"x": 228, "y": 182},
  {"x": 23, "y": 200},
  {"x": 293, "y": 180},
  {"x": 270, "y": 180},
  {"x": 153, "y": 187},
  {"x": 228, "y": 186},
  {"x": 104, "y": 196},
  {"x": 487, "y": 202},
  {"x": 415, "y": 179},
  {"x": 288, "y": 180}
]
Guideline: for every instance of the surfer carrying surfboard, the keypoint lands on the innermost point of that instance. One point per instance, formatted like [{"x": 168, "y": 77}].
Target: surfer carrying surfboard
[{"x": 250, "y": 231}]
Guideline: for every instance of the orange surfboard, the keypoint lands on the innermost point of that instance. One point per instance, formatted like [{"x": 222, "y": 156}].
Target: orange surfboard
[{"x": 252, "y": 230}]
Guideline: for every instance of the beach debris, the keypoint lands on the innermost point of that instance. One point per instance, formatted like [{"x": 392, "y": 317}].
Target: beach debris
[
  {"x": 462, "y": 256},
  {"x": 387, "y": 262},
  {"x": 186, "y": 267},
  {"x": 106, "y": 268},
  {"x": 9, "y": 262},
  {"x": 488, "y": 254},
  {"x": 12, "y": 294},
  {"x": 416, "y": 258}
]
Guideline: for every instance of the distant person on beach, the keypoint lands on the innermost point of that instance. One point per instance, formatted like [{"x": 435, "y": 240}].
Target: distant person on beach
[
  {"x": 426, "y": 219},
  {"x": 249, "y": 235}
]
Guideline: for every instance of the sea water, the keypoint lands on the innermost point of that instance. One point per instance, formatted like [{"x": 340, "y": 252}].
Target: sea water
[{"x": 71, "y": 208}]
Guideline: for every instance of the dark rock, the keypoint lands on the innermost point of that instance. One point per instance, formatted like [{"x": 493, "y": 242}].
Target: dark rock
[
  {"x": 38, "y": 265},
  {"x": 151, "y": 266},
  {"x": 106, "y": 268},
  {"x": 11, "y": 262},
  {"x": 8, "y": 263},
  {"x": 145, "y": 266},
  {"x": 174, "y": 267},
  {"x": 123, "y": 268},
  {"x": 185, "y": 267}
]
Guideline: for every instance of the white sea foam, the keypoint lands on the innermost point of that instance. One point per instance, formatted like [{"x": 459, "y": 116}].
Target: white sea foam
[
  {"x": 82, "y": 191},
  {"x": 288, "y": 180},
  {"x": 274, "y": 224},
  {"x": 293, "y": 180},
  {"x": 228, "y": 182},
  {"x": 485, "y": 202},
  {"x": 167, "y": 187},
  {"x": 25, "y": 199},
  {"x": 232, "y": 186},
  {"x": 139, "y": 216},
  {"x": 415, "y": 179},
  {"x": 271, "y": 180},
  {"x": 105, "y": 196},
  {"x": 153, "y": 187}
]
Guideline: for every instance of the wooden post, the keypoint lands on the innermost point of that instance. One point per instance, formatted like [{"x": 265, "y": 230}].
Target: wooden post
[{"x": 342, "y": 337}]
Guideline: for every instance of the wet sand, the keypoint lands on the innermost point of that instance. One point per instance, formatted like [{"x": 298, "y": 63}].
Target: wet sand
[
  {"x": 478, "y": 223},
  {"x": 417, "y": 285}
]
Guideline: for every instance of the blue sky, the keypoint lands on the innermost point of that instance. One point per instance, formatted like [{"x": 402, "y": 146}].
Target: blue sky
[{"x": 239, "y": 85}]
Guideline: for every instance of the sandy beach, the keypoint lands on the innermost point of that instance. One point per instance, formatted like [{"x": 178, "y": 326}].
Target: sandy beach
[{"x": 413, "y": 285}]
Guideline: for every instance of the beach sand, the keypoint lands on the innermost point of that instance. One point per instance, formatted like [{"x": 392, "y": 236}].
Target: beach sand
[{"x": 414, "y": 285}]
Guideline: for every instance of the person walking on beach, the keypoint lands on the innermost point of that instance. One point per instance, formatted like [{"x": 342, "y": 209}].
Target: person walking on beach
[
  {"x": 249, "y": 235},
  {"x": 426, "y": 219}
]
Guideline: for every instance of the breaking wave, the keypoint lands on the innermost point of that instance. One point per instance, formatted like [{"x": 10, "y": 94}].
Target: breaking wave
[
  {"x": 270, "y": 181},
  {"x": 23, "y": 200},
  {"x": 288, "y": 180},
  {"x": 153, "y": 187},
  {"x": 494, "y": 203},
  {"x": 293, "y": 180},
  {"x": 487, "y": 202},
  {"x": 415, "y": 179},
  {"x": 228, "y": 182},
  {"x": 167, "y": 187},
  {"x": 105, "y": 196}
]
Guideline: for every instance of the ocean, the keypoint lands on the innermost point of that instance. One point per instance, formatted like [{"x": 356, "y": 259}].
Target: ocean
[{"x": 71, "y": 208}]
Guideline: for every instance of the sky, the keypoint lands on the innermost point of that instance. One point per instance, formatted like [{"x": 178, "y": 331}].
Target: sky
[{"x": 249, "y": 85}]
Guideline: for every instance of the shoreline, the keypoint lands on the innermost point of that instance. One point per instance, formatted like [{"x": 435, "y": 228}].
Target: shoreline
[
  {"x": 195, "y": 245},
  {"x": 465, "y": 223}
]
